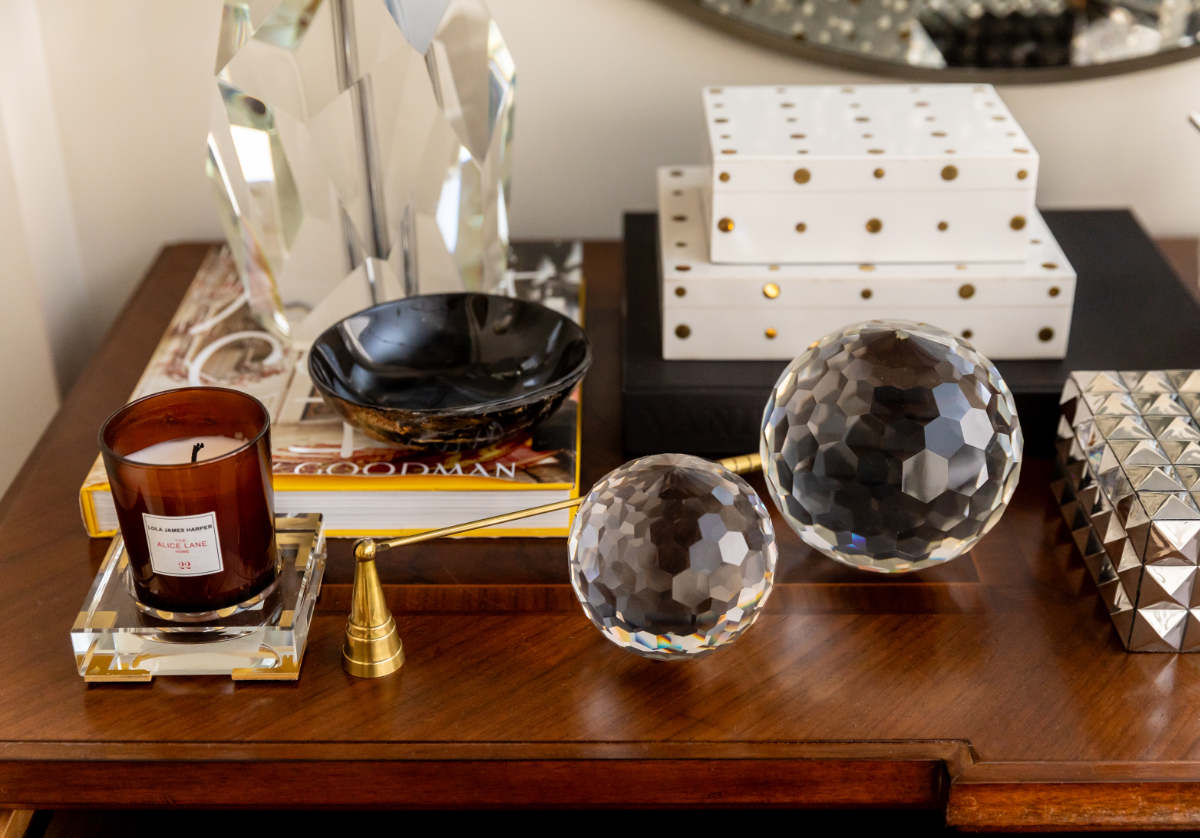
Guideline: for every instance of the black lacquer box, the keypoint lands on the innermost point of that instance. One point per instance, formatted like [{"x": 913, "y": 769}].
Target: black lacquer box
[{"x": 1131, "y": 312}]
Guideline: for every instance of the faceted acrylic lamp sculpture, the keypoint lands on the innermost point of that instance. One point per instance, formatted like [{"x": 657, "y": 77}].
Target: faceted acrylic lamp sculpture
[
  {"x": 672, "y": 556},
  {"x": 891, "y": 446},
  {"x": 360, "y": 152}
]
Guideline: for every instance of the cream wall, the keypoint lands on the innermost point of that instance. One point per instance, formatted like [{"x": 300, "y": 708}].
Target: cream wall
[
  {"x": 608, "y": 89},
  {"x": 27, "y": 379}
]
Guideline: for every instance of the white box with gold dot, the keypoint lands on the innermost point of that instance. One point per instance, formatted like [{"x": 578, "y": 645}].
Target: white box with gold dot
[
  {"x": 882, "y": 173},
  {"x": 774, "y": 310}
]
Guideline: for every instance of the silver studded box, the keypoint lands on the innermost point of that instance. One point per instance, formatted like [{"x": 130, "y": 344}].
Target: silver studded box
[
  {"x": 773, "y": 311},
  {"x": 1129, "y": 483},
  {"x": 876, "y": 173}
]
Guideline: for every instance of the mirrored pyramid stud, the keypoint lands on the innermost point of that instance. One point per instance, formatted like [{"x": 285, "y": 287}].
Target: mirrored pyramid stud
[
  {"x": 1123, "y": 427},
  {"x": 1173, "y": 541},
  {"x": 1154, "y": 479},
  {"x": 1166, "y": 585},
  {"x": 1115, "y": 485},
  {"x": 1123, "y": 624},
  {"x": 1140, "y": 452},
  {"x": 1104, "y": 381},
  {"x": 1113, "y": 596},
  {"x": 1075, "y": 410},
  {"x": 1130, "y": 512},
  {"x": 1070, "y": 390},
  {"x": 1108, "y": 528},
  {"x": 1192, "y": 402},
  {"x": 1125, "y": 560},
  {"x": 1089, "y": 434},
  {"x": 1160, "y": 404},
  {"x": 1088, "y": 543},
  {"x": 1074, "y": 471},
  {"x": 1093, "y": 560},
  {"x": 1064, "y": 430},
  {"x": 1150, "y": 381},
  {"x": 1092, "y": 500},
  {"x": 1179, "y": 429},
  {"x": 1158, "y": 629},
  {"x": 1169, "y": 506},
  {"x": 1189, "y": 477},
  {"x": 1182, "y": 452},
  {"x": 1185, "y": 381},
  {"x": 1191, "y": 632},
  {"x": 1111, "y": 404}
]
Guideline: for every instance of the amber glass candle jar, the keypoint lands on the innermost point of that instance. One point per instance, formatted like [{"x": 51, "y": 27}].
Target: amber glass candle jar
[{"x": 190, "y": 471}]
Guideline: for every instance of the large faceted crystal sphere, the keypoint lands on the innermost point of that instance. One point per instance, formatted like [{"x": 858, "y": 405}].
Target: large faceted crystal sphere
[
  {"x": 672, "y": 556},
  {"x": 891, "y": 446}
]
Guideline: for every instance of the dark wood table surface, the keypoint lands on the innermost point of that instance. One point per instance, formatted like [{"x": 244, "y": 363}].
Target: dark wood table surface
[{"x": 993, "y": 687}]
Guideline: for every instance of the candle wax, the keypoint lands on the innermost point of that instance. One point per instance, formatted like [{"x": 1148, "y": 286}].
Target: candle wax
[{"x": 179, "y": 451}]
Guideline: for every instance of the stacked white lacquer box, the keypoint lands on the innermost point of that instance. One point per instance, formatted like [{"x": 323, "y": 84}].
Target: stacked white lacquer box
[{"x": 824, "y": 206}]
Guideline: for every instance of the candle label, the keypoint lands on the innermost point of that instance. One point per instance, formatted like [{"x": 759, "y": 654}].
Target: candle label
[{"x": 183, "y": 545}]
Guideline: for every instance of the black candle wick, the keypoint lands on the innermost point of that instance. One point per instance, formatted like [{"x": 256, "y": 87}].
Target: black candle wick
[{"x": 196, "y": 450}]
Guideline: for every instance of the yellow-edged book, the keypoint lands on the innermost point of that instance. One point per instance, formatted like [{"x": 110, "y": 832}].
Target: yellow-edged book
[{"x": 321, "y": 464}]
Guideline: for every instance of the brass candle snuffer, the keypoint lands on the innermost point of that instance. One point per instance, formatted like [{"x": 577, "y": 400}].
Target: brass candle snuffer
[{"x": 373, "y": 648}]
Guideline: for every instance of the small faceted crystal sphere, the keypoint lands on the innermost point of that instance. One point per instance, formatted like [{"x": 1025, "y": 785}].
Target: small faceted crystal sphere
[
  {"x": 891, "y": 446},
  {"x": 672, "y": 556}
]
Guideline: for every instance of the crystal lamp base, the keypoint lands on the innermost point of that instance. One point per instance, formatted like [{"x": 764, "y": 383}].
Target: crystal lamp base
[{"x": 115, "y": 640}]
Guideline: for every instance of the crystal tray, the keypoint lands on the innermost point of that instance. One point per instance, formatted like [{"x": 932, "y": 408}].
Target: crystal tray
[{"x": 114, "y": 640}]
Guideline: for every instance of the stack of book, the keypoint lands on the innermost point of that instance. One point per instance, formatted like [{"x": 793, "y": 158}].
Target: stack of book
[
  {"x": 822, "y": 206},
  {"x": 362, "y": 486}
]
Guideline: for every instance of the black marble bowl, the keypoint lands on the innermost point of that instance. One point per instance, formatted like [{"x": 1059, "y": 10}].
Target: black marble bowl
[{"x": 449, "y": 372}]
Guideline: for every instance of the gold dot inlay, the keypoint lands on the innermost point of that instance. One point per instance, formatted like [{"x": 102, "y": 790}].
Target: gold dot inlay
[
  {"x": 1022, "y": 174},
  {"x": 874, "y": 225},
  {"x": 677, "y": 173},
  {"x": 966, "y": 290},
  {"x": 680, "y": 291},
  {"x": 865, "y": 293},
  {"x": 874, "y": 151},
  {"x": 682, "y": 331},
  {"x": 1045, "y": 334},
  {"x": 797, "y": 136},
  {"x": 679, "y": 218},
  {"x": 866, "y": 266},
  {"x": 968, "y": 334},
  {"x": 1049, "y": 265},
  {"x": 802, "y": 176},
  {"x": 943, "y": 226},
  {"x": 683, "y": 268},
  {"x": 770, "y": 290},
  {"x": 862, "y": 119},
  {"x": 1054, "y": 291},
  {"x": 770, "y": 333},
  {"x": 878, "y": 173},
  {"x": 725, "y": 225},
  {"x": 801, "y": 227},
  {"x": 723, "y": 177},
  {"x": 949, "y": 172},
  {"x": 1017, "y": 222},
  {"x": 729, "y": 151},
  {"x": 721, "y": 119}
]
